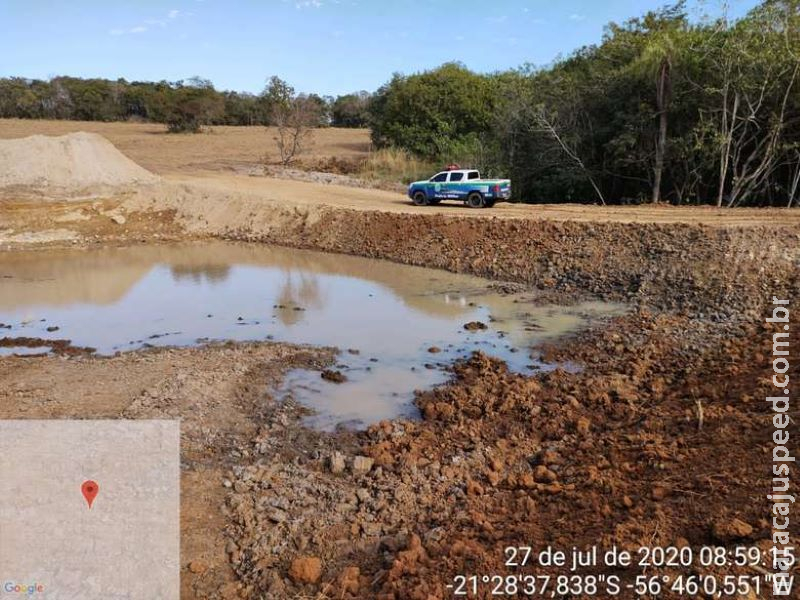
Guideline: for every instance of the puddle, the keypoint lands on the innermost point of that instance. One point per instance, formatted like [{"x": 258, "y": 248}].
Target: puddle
[{"x": 389, "y": 315}]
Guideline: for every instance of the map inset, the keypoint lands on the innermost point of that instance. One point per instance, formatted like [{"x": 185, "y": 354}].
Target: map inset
[{"x": 90, "y": 509}]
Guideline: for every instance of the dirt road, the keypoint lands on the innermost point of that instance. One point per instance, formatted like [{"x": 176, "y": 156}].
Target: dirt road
[
  {"x": 272, "y": 192},
  {"x": 216, "y": 163}
]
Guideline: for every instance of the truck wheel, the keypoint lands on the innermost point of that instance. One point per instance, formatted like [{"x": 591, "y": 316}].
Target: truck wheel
[
  {"x": 475, "y": 200},
  {"x": 420, "y": 198}
]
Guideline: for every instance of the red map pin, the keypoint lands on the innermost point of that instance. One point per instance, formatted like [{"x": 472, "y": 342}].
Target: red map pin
[{"x": 90, "y": 489}]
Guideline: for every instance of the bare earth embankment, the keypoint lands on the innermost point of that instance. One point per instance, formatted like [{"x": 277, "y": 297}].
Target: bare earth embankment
[{"x": 662, "y": 437}]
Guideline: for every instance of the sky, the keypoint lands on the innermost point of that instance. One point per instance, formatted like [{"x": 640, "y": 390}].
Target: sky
[{"x": 323, "y": 46}]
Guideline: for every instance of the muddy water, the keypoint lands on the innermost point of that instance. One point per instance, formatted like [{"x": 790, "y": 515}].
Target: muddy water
[{"x": 384, "y": 317}]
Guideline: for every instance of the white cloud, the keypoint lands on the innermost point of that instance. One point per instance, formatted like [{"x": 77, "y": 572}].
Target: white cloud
[
  {"x": 500, "y": 19},
  {"x": 172, "y": 15},
  {"x": 576, "y": 17},
  {"x": 300, "y": 4}
]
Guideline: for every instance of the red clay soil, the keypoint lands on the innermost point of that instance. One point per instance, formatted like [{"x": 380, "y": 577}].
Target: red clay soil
[{"x": 660, "y": 440}]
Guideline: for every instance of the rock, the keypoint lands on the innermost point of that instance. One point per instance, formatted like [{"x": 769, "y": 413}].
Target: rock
[
  {"x": 526, "y": 481},
  {"x": 583, "y": 425},
  {"x": 333, "y": 376},
  {"x": 726, "y": 530},
  {"x": 198, "y": 567},
  {"x": 117, "y": 218},
  {"x": 348, "y": 580},
  {"x": 305, "y": 569},
  {"x": 278, "y": 516},
  {"x": 553, "y": 488},
  {"x": 658, "y": 492},
  {"x": 362, "y": 464},
  {"x": 493, "y": 477},
  {"x": 547, "y": 458},
  {"x": 434, "y": 349},
  {"x": 627, "y": 502},
  {"x": 475, "y": 326},
  {"x": 371, "y": 529},
  {"x": 474, "y": 488},
  {"x": 542, "y": 474},
  {"x": 336, "y": 463}
]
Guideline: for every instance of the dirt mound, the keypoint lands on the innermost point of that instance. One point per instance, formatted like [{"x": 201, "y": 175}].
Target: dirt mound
[{"x": 73, "y": 163}]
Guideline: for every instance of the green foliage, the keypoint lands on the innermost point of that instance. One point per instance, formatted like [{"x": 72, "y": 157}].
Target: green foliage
[
  {"x": 351, "y": 110},
  {"x": 191, "y": 106},
  {"x": 661, "y": 109},
  {"x": 426, "y": 113},
  {"x": 184, "y": 106}
]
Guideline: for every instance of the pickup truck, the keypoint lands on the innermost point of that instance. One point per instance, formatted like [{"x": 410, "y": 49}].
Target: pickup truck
[{"x": 460, "y": 184}]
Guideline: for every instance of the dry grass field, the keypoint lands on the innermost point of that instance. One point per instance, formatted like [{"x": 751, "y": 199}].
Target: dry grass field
[{"x": 218, "y": 148}]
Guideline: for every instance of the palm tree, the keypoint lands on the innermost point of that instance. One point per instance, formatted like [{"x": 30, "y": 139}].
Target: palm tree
[{"x": 658, "y": 57}]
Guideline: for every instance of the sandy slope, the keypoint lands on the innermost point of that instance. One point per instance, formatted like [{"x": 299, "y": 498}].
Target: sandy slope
[{"x": 74, "y": 161}]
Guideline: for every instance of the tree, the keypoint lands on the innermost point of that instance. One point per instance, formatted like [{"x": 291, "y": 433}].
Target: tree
[
  {"x": 193, "y": 105},
  {"x": 428, "y": 112},
  {"x": 277, "y": 95},
  {"x": 295, "y": 119},
  {"x": 659, "y": 53},
  {"x": 752, "y": 84},
  {"x": 351, "y": 110}
]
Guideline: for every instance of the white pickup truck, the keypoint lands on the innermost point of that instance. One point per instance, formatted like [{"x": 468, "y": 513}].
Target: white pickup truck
[{"x": 465, "y": 185}]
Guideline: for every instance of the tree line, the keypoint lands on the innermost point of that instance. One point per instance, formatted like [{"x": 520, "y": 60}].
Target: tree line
[
  {"x": 662, "y": 109},
  {"x": 184, "y": 106}
]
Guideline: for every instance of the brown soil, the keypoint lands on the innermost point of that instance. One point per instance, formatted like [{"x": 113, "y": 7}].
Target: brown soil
[
  {"x": 219, "y": 392},
  {"x": 660, "y": 438}
]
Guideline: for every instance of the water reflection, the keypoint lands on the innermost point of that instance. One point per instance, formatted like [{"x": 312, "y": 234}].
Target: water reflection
[
  {"x": 210, "y": 273},
  {"x": 124, "y": 298}
]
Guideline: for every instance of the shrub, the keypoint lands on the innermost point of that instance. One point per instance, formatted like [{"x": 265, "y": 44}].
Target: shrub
[{"x": 394, "y": 164}]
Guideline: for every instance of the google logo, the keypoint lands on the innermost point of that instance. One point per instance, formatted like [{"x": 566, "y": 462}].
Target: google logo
[{"x": 23, "y": 588}]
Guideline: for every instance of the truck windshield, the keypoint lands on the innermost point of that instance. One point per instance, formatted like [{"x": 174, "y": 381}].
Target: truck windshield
[{"x": 439, "y": 177}]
